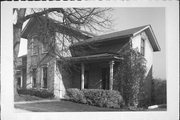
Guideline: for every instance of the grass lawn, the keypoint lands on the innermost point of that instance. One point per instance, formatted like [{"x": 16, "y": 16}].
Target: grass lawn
[
  {"x": 68, "y": 106},
  {"x": 65, "y": 106},
  {"x": 61, "y": 106}
]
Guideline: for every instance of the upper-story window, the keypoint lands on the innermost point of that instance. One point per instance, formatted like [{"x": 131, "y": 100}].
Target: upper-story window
[
  {"x": 34, "y": 46},
  {"x": 142, "y": 47},
  {"x": 44, "y": 47}
]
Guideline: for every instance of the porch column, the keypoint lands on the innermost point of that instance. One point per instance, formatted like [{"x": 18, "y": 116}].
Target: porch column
[
  {"x": 82, "y": 75},
  {"x": 111, "y": 64}
]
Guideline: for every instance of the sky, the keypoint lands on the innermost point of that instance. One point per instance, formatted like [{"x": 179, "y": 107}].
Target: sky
[{"x": 125, "y": 18}]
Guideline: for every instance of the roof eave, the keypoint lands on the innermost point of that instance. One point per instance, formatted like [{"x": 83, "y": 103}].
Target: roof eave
[
  {"x": 154, "y": 43},
  {"x": 91, "y": 41},
  {"x": 155, "y": 40},
  {"x": 28, "y": 26}
]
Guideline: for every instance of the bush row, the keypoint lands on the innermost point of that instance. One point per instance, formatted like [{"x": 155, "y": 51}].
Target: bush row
[
  {"x": 159, "y": 91},
  {"x": 96, "y": 97},
  {"x": 34, "y": 92}
]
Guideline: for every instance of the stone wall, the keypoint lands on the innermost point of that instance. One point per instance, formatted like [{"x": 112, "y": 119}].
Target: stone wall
[
  {"x": 62, "y": 79},
  {"x": 38, "y": 61}
]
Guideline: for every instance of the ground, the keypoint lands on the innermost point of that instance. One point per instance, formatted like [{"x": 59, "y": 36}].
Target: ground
[
  {"x": 60, "y": 106},
  {"x": 34, "y": 104}
]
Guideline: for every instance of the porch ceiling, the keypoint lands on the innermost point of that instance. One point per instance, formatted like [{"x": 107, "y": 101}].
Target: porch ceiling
[{"x": 95, "y": 58}]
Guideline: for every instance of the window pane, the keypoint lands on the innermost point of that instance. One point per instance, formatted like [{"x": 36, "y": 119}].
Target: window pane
[
  {"x": 45, "y": 47},
  {"x": 34, "y": 77},
  {"x": 142, "y": 47},
  {"x": 45, "y": 76}
]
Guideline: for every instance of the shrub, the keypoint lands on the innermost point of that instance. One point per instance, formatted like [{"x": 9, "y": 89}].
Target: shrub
[
  {"x": 75, "y": 95},
  {"x": 103, "y": 98},
  {"x": 35, "y": 92},
  {"x": 96, "y": 97},
  {"x": 130, "y": 76},
  {"x": 159, "y": 91}
]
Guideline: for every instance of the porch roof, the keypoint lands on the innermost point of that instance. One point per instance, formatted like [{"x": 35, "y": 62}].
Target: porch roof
[{"x": 96, "y": 57}]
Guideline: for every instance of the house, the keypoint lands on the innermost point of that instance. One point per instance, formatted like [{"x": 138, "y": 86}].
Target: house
[{"x": 94, "y": 58}]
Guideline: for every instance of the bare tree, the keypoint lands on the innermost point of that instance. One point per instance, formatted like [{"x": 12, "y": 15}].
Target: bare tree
[{"x": 86, "y": 19}]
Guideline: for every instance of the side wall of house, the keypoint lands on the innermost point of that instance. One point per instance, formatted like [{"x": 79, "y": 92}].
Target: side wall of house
[
  {"x": 136, "y": 43},
  {"x": 62, "y": 79}
]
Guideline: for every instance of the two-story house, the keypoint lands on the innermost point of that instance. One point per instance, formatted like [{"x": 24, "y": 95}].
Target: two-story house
[{"x": 95, "y": 58}]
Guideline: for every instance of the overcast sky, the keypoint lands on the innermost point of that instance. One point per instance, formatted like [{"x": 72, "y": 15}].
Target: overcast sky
[{"x": 125, "y": 18}]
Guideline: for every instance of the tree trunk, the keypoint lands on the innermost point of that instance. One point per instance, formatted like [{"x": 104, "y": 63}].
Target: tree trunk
[
  {"x": 17, "y": 28},
  {"x": 17, "y": 34}
]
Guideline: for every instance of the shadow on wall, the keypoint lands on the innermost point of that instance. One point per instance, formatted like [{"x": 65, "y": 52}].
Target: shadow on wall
[{"x": 64, "y": 77}]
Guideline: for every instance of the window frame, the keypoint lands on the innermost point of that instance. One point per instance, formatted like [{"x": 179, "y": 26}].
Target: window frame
[
  {"x": 34, "y": 75},
  {"x": 34, "y": 47},
  {"x": 142, "y": 51},
  {"x": 43, "y": 81}
]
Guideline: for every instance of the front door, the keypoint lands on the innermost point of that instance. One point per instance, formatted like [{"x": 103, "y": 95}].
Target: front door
[
  {"x": 86, "y": 79},
  {"x": 105, "y": 78}
]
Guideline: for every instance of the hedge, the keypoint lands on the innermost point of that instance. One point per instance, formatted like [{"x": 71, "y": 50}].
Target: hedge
[
  {"x": 96, "y": 97},
  {"x": 35, "y": 92},
  {"x": 159, "y": 91},
  {"x": 76, "y": 95}
]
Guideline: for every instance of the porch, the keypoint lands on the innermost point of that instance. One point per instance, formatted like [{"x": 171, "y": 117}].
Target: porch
[{"x": 94, "y": 71}]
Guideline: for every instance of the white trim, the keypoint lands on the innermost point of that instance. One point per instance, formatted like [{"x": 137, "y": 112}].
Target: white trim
[
  {"x": 141, "y": 30},
  {"x": 155, "y": 40},
  {"x": 24, "y": 29}
]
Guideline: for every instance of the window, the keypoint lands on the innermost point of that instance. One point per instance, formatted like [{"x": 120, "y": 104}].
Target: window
[
  {"x": 19, "y": 82},
  {"x": 44, "y": 70},
  {"x": 34, "y": 77},
  {"x": 34, "y": 46},
  {"x": 142, "y": 47},
  {"x": 45, "y": 48}
]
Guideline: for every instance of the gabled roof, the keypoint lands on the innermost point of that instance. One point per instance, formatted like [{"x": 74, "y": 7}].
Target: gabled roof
[
  {"x": 60, "y": 25},
  {"x": 124, "y": 34}
]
